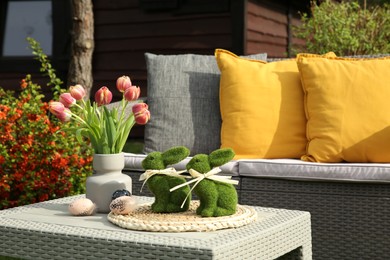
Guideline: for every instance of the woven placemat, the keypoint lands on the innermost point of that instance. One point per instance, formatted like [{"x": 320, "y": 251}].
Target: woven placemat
[{"x": 143, "y": 218}]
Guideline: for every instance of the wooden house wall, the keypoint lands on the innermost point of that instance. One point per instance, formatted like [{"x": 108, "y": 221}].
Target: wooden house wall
[
  {"x": 10, "y": 80},
  {"x": 268, "y": 27},
  {"x": 124, "y": 32}
]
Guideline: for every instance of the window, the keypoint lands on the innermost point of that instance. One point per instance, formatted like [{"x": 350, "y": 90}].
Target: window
[
  {"x": 47, "y": 21},
  {"x": 27, "y": 19}
]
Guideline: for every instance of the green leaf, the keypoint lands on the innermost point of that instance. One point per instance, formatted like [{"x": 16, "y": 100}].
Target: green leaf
[
  {"x": 110, "y": 129},
  {"x": 79, "y": 135},
  {"x": 129, "y": 123}
]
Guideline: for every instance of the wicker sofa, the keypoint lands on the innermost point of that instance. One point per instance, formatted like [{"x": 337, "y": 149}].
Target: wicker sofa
[{"x": 349, "y": 202}]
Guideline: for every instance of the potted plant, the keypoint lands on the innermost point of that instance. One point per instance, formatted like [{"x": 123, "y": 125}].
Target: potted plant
[{"x": 107, "y": 130}]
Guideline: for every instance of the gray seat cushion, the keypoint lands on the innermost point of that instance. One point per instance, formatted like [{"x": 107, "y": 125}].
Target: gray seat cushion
[
  {"x": 183, "y": 99},
  {"x": 290, "y": 169},
  {"x": 301, "y": 170},
  {"x": 133, "y": 162}
]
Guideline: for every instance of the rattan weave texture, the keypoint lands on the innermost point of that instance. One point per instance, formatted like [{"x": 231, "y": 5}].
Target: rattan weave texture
[
  {"x": 47, "y": 231},
  {"x": 349, "y": 220}
]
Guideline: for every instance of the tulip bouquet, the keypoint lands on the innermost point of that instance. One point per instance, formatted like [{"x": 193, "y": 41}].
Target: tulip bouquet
[{"x": 107, "y": 129}]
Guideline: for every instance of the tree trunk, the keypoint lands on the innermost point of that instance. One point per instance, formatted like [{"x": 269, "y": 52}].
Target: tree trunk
[{"x": 80, "y": 67}]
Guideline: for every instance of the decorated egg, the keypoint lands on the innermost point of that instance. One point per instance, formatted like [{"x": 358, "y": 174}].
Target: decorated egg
[
  {"x": 123, "y": 205},
  {"x": 82, "y": 207},
  {"x": 120, "y": 193}
]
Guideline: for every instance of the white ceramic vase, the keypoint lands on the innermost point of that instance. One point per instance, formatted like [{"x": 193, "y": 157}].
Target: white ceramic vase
[{"x": 106, "y": 179}]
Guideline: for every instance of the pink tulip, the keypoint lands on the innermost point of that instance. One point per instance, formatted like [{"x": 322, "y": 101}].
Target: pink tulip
[
  {"x": 56, "y": 108},
  {"x": 143, "y": 118},
  {"x": 141, "y": 113},
  {"x": 132, "y": 93},
  {"x": 65, "y": 115},
  {"x": 123, "y": 83},
  {"x": 103, "y": 96},
  {"x": 139, "y": 108},
  {"x": 77, "y": 92},
  {"x": 67, "y": 99}
]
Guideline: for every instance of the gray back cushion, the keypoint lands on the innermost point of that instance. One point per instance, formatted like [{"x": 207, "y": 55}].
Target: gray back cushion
[{"x": 183, "y": 99}]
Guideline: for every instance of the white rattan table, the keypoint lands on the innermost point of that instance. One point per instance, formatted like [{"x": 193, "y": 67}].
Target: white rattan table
[{"x": 47, "y": 231}]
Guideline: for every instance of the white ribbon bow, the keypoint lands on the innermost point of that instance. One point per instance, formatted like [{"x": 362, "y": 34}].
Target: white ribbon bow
[
  {"x": 200, "y": 176},
  {"x": 168, "y": 171}
]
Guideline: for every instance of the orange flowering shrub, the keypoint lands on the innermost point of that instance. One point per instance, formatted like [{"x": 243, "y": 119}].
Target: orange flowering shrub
[{"x": 37, "y": 162}]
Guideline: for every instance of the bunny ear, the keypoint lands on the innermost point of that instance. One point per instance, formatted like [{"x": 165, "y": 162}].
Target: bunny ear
[
  {"x": 220, "y": 157},
  {"x": 175, "y": 155}
]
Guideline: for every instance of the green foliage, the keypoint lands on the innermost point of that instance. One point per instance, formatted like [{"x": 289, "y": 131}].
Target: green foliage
[
  {"x": 37, "y": 162},
  {"x": 134, "y": 146},
  {"x": 345, "y": 28},
  {"x": 8, "y": 258},
  {"x": 46, "y": 67}
]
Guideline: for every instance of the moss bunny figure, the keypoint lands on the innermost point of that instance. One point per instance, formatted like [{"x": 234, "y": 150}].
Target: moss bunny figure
[
  {"x": 217, "y": 195},
  {"x": 160, "y": 179}
]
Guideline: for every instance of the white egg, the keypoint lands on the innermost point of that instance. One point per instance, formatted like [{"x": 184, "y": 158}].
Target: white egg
[
  {"x": 123, "y": 205},
  {"x": 82, "y": 207}
]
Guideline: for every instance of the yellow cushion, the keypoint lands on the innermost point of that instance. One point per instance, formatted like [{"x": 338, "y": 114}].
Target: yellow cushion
[
  {"x": 261, "y": 107},
  {"x": 347, "y": 104}
]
